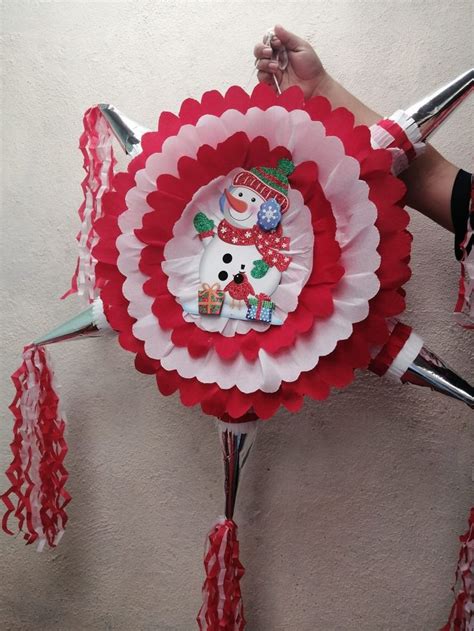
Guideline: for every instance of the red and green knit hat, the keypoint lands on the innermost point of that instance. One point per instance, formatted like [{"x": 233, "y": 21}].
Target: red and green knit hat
[{"x": 268, "y": 182}]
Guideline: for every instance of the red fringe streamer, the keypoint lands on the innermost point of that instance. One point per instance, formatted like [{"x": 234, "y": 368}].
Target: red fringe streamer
[
  {"x": 462, "y": 611},
  {"x": 95, "y": 144},
  {"x": 222, "y": 609},
  {"x": 37, "y": 497}
]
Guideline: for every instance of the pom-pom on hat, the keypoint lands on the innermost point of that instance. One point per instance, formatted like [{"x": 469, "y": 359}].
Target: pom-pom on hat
[{"x": 268, "y": 182}]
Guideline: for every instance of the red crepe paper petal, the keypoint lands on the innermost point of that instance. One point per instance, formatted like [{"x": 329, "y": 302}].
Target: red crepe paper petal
[
  {"x": 263, "y": 97},
  {"x": 318, "y": 109},
  {"x": 292, "y": 99}
]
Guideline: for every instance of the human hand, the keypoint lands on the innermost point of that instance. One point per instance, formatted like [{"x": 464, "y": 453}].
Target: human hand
[{"x": 304, "y": 67}]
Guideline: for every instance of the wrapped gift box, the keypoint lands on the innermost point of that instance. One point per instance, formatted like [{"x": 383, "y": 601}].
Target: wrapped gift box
[
  {"x": 260, "y": 308},
  {"x": 210, "y": 299}
]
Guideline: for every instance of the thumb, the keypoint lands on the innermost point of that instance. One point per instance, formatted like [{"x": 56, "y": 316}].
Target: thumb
[{"x": 289, "y": 40}]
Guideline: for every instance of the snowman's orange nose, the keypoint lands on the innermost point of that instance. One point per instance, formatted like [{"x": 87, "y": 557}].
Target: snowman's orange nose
[{"x": 237, "y": 204}]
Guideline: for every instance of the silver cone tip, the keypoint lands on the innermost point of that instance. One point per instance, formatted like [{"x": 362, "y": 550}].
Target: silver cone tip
[
  {"x": 431, "y": 111},
  {"x": 128, "y": 132},
  {"x": 429, "y": 370},
  {"x": 88, "y": 323}
]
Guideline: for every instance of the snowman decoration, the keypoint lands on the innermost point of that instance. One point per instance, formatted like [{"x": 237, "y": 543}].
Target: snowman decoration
[{"x": 243, "y": 260}]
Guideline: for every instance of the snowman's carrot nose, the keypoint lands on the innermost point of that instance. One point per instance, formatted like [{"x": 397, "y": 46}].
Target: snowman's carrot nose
[{"x": 237, "y": 204}]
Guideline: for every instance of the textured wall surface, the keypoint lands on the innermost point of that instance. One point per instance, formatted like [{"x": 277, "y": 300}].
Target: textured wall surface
[{"x": 350, "y": 510}]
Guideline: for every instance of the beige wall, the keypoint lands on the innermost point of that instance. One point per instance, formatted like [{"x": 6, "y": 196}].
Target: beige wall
[{"x": 349, "y": 511}]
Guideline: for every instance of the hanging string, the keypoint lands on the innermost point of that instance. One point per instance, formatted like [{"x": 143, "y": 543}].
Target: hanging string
[{"x": 280, "y": 56}]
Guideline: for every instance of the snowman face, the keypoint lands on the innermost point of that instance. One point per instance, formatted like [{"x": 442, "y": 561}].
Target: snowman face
[{"x": 241, "y": 206}]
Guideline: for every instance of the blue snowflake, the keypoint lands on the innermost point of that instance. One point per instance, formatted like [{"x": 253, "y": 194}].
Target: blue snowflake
[{"x": 269, "y": 215}]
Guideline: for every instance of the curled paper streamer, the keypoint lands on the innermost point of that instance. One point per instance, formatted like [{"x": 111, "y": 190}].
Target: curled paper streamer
[
  {"x": 101, "y": 124},
  {"x": 37, "y": 497},
  {"x": 222, "y": 608},
  {"x": 461, "y": 616}
]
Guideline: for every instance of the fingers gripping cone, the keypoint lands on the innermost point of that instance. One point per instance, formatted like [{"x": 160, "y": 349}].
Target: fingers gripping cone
[
  {"x": 405, "y": 132},
  {"x": 405, "y": 359},
  {"x": 222, "y": 608}
]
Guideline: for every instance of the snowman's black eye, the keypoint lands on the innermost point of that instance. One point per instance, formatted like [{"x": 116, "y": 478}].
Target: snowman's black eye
[
  {"x": 253, "y": 199},
  {"x": 227, "y": 258},
  {"x": 241, "y": 194}
]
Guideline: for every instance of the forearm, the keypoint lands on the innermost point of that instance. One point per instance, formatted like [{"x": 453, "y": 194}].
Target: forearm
[
  {"x": 429, "y": 179},
  {"x": 340, "y": 97}
]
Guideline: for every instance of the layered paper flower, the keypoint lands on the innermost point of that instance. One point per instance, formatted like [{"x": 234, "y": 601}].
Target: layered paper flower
[{"x": 349, "y": 252}]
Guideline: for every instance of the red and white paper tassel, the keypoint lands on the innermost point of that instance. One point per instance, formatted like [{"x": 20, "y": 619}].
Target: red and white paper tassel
[
  {"x": 461, "y": 617},
  {"x": 37, "y": 496},
  {"x": 401, "y": 136},
  {"x": 96, "y": 146},
  {"x": 222, "y": 608}
]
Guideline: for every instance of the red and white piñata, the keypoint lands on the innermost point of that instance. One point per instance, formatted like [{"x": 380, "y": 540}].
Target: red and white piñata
[{"x": 349, "y": 252}]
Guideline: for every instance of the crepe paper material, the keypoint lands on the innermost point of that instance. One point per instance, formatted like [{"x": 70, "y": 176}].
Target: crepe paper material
[
  {"x": 387, "y": 354},
  {"x": 345, "y": 275},
  {"x": 210, "y": 299},
  {"x": 401, "y": 137},
  {"x": 37, "y": 497},
  {"x": 462, "y": 612},
  {"x": 96, "y": 146},
  {"x": 222, "y": 608},
  {"x": 464, "y": 309}
]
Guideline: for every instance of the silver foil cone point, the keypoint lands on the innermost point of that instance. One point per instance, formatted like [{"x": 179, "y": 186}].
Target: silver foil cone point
[
  {"x": 429, "y": 370},
  {"x": 430, "y": 112},
  {"x": 89, "y": 323},
  {"x": 128, "y": 132}
]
